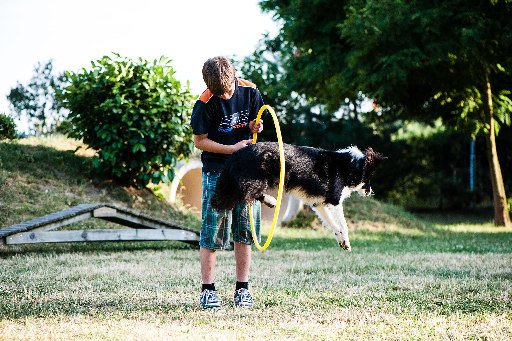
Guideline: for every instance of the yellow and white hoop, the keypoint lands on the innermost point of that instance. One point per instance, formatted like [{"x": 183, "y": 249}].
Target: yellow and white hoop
[{"x": 281, "y": 179}]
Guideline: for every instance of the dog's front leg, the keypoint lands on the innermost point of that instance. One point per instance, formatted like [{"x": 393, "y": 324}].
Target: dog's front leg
[
  {"x": 333, "y": 219},
  {"x": 340, "y": 217}
]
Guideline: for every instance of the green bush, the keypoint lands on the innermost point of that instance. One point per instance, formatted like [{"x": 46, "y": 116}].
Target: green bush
[
  {"x": 135, "y": 114},
  {"x": 7, "y": 128}
]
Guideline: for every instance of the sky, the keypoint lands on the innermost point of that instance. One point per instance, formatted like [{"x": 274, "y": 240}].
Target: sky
[{"x": 74, "y": 32}]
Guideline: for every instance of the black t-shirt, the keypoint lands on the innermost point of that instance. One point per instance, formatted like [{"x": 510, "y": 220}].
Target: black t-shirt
[{"x": 225, "y": 121}]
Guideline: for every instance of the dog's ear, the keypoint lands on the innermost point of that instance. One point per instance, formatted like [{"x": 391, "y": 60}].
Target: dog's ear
[{"x": 373, "y": 157}]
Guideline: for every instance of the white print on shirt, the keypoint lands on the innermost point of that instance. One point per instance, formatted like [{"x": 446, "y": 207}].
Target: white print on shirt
[{"x": 237, "y": 120}]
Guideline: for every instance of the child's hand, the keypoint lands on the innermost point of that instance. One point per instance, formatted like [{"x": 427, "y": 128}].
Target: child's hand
[
  {"x": 241, "y": 145},
  {"x": 256, "y": 128}
]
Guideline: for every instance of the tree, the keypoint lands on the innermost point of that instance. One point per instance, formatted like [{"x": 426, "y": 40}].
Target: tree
[
  {"x": 297, "y": 113},
  {"x": 449, "y": 59},
  {"x": 304, "y": 120},
  {"x": 313, "y": 51},
  {"x": 419, "y": 60},
  {"x": 135, "y": 114},
  {"x": 7, "y": 128},
  {"x": 36, "y": 101}
]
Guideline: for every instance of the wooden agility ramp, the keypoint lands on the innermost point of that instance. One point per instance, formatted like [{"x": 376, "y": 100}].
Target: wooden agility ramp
[{"x": 141, "y": 227}]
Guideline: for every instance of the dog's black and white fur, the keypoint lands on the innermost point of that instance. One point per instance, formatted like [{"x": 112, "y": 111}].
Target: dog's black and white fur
[{"x": 322, "y": 178}]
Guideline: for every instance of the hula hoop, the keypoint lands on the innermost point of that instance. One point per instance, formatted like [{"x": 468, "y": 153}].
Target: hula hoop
[{"x": 281, "y": 180}]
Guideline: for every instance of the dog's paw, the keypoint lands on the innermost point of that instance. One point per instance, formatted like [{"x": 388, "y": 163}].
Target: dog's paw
[
  {"x": 345, "y": 246},
  {"x": 342, "y": 242},
  {"x": 269, "y": 201}
]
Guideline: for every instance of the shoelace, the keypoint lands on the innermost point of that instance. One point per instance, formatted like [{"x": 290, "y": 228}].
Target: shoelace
[
  {"x": 210, "y": 297},
  {"x": 244, "y": 296}
]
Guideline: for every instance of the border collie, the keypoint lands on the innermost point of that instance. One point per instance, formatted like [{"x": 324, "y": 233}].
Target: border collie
[{"x": 322, "y": 178}]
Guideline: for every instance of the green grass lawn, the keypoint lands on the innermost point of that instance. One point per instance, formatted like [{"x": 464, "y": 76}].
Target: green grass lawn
[
  {"x": 444, "y": 282},
  {"x": 408, "y": 277}
]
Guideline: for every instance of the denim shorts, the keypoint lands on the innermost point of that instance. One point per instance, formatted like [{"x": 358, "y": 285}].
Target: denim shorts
[{"x": 216, "y": 224}]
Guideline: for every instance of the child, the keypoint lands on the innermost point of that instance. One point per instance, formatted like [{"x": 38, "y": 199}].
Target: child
[{"x": 223, "y": 120}]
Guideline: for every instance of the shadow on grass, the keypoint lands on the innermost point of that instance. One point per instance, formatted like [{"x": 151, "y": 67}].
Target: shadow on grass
[
  {"x": 397, "y": 242},
  {"x": 463, "y": 299},
  {"x": 362, "y": 241},
  {"x": 476, "y": 216}
]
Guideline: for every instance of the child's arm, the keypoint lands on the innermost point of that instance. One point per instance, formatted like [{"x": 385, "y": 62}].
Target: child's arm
[{"x": 204, "y": 143}]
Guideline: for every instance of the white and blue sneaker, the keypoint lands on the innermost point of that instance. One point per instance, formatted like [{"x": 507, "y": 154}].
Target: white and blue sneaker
[
  {"x": 243, "y": 298},
  {"x": 209, "y": 299}
]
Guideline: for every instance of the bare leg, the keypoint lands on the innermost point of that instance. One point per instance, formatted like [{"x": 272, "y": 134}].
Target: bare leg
[
  {"x": 243, "y": 261},
  {"x": 208, "y": 260}
]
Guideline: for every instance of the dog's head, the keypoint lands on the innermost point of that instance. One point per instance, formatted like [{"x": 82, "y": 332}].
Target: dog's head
[{"x": 369, "y": 163}]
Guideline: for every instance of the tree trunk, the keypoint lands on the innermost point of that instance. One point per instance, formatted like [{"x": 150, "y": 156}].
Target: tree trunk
[
  {"x": 356, "y": 114},
  {"x": 501, "y": 214}
]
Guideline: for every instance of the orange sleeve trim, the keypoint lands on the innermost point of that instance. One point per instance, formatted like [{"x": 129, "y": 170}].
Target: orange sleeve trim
[
  {"x": 205, "y": 97},
  {"x": 243, "y": 82}
]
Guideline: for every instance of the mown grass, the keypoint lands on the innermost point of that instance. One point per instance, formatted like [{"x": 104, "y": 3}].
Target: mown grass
[
  {"x": 132, "y": 291},
  {"x": 408, "y": 277}
]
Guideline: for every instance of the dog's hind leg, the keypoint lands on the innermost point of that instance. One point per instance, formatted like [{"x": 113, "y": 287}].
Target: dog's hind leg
[{"x": 333, "y": 219}]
